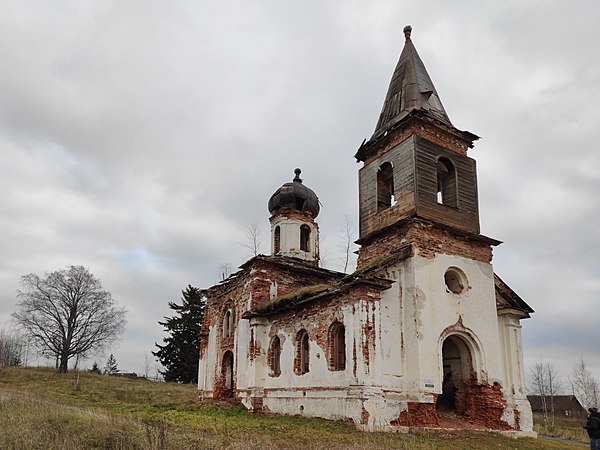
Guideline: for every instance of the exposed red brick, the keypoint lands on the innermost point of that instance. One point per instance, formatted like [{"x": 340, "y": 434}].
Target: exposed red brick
[
  {"x": 364, "y": 416},
  {"x": 252, "y": 346},
  {"x": 484, "y": 405},
  {"x": 517, "y": 415},
  {"x": 417, "y": 415},
  {"x": 354, "y": 362},
  {"x": 426, "y": 239},
  {"x": 253, "y": 282}
]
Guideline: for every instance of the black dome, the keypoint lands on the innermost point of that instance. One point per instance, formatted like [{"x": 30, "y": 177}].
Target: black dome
[{"x": 295, "y": 196}]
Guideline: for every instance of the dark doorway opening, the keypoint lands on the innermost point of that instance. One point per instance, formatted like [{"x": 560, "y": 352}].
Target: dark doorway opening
[
  {"x": 227, "y": 372},
  {"x": 457, "y": 366}
]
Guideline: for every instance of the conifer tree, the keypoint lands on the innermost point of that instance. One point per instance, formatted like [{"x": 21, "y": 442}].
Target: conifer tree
[
  {"x": 181, "y": 350},
  {"x": 111, "y": 365}
]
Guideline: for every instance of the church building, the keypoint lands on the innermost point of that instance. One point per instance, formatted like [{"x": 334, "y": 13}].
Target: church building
[{"x": 421, "y": 333}]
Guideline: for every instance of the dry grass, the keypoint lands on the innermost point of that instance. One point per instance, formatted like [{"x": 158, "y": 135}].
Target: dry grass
[
  {"x": 571, "y": 430},
  {"x": 42, "y": 410}
]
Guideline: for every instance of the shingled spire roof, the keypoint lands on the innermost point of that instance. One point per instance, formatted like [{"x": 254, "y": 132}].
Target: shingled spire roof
[{"x": 410, "y": 89}]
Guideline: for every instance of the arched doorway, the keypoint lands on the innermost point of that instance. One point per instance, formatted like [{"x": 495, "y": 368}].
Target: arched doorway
[
  {"x": 457, "y": 363},
  {"x": 227, "y": 372}
]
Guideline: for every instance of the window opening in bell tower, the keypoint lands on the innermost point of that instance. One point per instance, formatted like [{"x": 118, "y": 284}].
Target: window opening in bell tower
[{"x": 385, "y": 187}]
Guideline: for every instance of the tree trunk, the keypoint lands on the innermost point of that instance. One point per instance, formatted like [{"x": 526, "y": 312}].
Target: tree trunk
[{"x": 64, "y": 362}]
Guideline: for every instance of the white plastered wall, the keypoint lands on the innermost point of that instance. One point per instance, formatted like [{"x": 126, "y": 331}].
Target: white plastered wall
[
  {"x": 321, "y": 392},
  {"x": 420, "y": 313},
  {"x": 509, "y": 327},
  {"x": 289, "y": 241},
  {"x": 208, "y": 362}
]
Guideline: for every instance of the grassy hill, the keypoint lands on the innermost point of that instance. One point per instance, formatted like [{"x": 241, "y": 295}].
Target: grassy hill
[{"x": 40, "y": 409}]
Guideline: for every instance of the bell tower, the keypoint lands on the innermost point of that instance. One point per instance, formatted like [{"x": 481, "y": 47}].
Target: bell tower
[{"x": 416, "y": 169}]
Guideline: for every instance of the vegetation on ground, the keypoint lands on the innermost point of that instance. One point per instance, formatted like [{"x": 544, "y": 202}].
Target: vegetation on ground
[{"x": 40, "y": 408}]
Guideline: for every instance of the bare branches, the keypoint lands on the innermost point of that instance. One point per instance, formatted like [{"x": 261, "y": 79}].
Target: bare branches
[
  {"x": 347, "y": 245},
  {"x": 584, "y": 385},
  {"x": 67, "y": 313},
  {"x": 253, "y": 240},
  {"x": 12, "y": 348},
  {"x": 545, "y": 382},
  {"x": 225, "y": 270}
]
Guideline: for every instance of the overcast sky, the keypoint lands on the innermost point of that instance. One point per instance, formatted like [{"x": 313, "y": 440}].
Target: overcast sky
[{"x": 141, "y": 138}]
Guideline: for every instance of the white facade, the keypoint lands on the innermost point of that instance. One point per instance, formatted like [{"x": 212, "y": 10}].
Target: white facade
[
  {"x": 296, "y": 235},
  {"x": 394, "y": 350}
]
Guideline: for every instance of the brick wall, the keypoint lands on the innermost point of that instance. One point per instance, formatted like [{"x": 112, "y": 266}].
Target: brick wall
[{"x": 426, "y": 240}]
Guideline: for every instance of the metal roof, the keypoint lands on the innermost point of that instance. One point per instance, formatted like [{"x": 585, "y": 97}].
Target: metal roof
[{"x": 296, "y": 196}]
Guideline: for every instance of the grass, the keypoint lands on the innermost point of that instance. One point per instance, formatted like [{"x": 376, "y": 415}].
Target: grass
[
  {"x": 45, "y": 410},
  {"x": 568, "y": 429}
]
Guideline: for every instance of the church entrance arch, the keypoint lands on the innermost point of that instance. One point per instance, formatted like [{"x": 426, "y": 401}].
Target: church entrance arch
[
  {"x": 458, "y": 372},
  {"x": 227, "y": 373}
]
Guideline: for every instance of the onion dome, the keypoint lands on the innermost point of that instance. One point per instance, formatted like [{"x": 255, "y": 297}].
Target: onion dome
[{"x": 295, "y": 196}]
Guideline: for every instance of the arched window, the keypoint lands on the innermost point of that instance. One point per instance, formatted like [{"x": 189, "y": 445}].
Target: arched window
[
  {"x": 301, "y": 362},
  {"x": 446, "y": 183},
  {"x": 305, "y": 238},
  {"x": 385, "y": 186},
  {"x": 277, "y": 240},
  {"x": 275, "y": 357},
  {"x": 227, "y": 323},
  {"x": 337, "y": 347}
]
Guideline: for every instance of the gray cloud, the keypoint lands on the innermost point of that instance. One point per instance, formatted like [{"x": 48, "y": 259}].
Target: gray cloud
[{"x": 141, "y": 139}]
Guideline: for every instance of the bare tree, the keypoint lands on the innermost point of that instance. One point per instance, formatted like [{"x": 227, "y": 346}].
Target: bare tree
[
  {"x": 584, "y": 385},
  {"x": 12, "y": 348},
  {"x": 545, "y": 382},
  {"x": 225, "y": 270},
  {"x": 253, "y": 240},
  {"x": 147, "y": 365},
  {"x": 67, "y": 313},
  {"x": 347, "y": 244}
]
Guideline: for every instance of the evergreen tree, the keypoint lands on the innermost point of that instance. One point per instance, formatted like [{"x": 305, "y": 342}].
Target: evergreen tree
[
  {"x": 111, "y": 365},
  {"x": 181, "y": 350},
  {"x": 95, "y": 368}
]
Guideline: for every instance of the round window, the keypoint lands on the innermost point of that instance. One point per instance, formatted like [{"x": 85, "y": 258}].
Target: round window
[{"x": 456, "y": 280}]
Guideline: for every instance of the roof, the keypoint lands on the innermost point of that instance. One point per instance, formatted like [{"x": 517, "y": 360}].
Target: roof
[
  {"x": 363, "y": 276},
  {"x": 411, "y": 94},
  {"x": 304, "y": 296},
  {"x": 507, "y": 299},
  {"x": 410, "y": 89},
  {"x": 561, "y": 402},
  {"x": 295, "y": 196},
  {"x": 295, "y": 264}
]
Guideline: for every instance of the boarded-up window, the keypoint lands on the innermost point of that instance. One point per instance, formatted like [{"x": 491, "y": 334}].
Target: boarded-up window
[
  {"x": 337, "y": 347},
  {"x": 275, "y": 357},
  {"x": 301, "y": 363},
  {"x": 446, "y": 183},
  {"x": 385, "y": 186}
]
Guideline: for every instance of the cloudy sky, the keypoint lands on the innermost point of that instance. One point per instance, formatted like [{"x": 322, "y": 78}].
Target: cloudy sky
[{"x": 141, "y": 138}]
